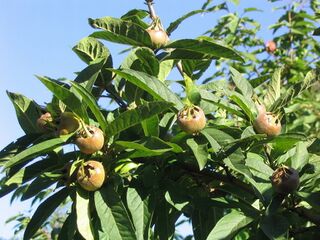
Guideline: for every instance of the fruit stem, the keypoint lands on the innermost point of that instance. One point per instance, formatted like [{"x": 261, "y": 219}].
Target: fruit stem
[{"x": 84, "y": 127}]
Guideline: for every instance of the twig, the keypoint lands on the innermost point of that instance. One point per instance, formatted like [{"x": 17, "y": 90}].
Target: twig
[
  {"x": 307, "y": 214},
  {"x": 152, "y": 11}
]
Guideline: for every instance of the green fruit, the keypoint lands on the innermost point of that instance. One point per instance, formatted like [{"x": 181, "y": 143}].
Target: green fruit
[
  {"x": 91, "y": 175},
  {"x": 68, "y": 123},
  {"x": 92, "y": 143},
  {"x": 159, "y": 37}
]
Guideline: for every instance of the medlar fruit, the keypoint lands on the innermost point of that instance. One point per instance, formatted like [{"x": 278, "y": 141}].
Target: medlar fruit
[
  {"x": 44, "y": 122},
  {"x": 285, "y": 180},
  {"x": 91, "y": 175},
  {"x": 158, "y": 37},
  {"x": 271, "y": 46},
  {"x": 191, "y": 119},
  {"x": 90, "y": 140},
  {"x": 267, "y": 123}
]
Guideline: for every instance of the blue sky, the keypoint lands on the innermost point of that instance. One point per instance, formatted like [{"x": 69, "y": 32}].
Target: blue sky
[{"x": 37, "y": 37}]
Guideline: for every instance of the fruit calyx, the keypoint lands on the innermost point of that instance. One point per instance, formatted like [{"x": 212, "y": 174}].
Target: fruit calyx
[
  {"x": 91, "y": 175},
  {"x": 90, "y": 139},
  {"x": 45, "y": 122},
  {"x": 191, "y": 119},
  {"x": 285, "y": 180}
]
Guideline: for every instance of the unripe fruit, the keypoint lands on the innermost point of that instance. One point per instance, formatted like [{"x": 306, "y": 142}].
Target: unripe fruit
[
  {"x": 44, "y": 121},
  {"x": 267, "y": 123},
  {"x": 285, "y": 180},
  {"x": 92, "y": 143},
  {"x": 159, "y": 37},
  {"x": 68, "y": 123},
  {"x": 271, "y": 46},
  {"x": 91, "y": 175},
  {"x": 191, "y": 119}
]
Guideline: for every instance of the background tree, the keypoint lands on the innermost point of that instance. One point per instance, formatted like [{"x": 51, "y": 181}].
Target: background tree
[{"x": 234, "y": 152}]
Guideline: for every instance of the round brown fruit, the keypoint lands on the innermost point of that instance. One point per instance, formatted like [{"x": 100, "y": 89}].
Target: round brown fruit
[
  {"x": 267, "y": 123},
  {"x": 44, "y": 121},
  {"x": 191, "y": 119},
  {"x": 285, "y": 180},
  {"x": 271, "y": 46},
  {"x": 68, "y": 123},
  {"x": 92, "y": 143},
  {"x": 159, "y": 37},
  {"x": 91, "y": 175}
]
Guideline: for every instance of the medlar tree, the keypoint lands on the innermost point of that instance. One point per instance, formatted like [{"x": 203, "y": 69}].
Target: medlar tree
[{"x": 236, "y": 154}]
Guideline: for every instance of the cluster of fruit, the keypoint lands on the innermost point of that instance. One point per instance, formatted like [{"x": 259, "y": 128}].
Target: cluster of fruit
[
  {"x": 284, "y": 179},
  {"x": 89, "y": 139}
]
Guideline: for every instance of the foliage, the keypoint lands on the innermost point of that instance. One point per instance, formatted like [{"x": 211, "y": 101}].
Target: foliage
[{"x": 217, "y": 178}]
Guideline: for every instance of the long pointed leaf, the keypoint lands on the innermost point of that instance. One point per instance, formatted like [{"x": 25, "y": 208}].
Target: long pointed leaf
[
  {"x": 150, "y": 84},
  {"x": 88, "y": 99},
  {"x": 135, "y": 116}
]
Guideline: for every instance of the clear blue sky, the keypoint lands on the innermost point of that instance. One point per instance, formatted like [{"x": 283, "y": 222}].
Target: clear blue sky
[{"x": 36, "y": 37}]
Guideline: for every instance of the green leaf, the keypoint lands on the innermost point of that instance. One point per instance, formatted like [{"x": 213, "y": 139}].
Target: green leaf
[
  {"x": 151, "y": 126},
  {"x": 200, "y": 151},
  {"x": 207, "y": 46},
  {"x": 242, "y": 84},
  {"x": 27, "y": 112},
  {"x": 148, "y": 60},
  {"x": 113, "y": 215},
  {"x": 29, "y": 172},
  {"x": 214, "y": 144},
  {"x": 229, "y": 225},
  {"x": 69, "y": 227},
  {"x": 316, "y": 32},
  {"x": 120, "y": 31},
  {"x": 273, "y": 89},
  {"x": 43, "y": 182},
  {"x": 66, "y": 96},
  {"x": 141, "y": 211},
  {"x": 301, "y": 156},
  {"x": 150, "y": 84},
  {"x": 246, "y": 105},
  {"x": 83, "y": 215},
  {"x": 275, "y": 226},
  {"x": 89, "y": 100},
  {"x": 133, "y": 117},
  {"x": 165, "y": 69},
  {"x": 295, "y": 90},
  {"x": 44, "y": 211},
  {"x": 90, "y": 49},
  {"x": 147, "y": 147},
  {"x": 36, "y": 150},
  {"x": 259, "y": 80}
]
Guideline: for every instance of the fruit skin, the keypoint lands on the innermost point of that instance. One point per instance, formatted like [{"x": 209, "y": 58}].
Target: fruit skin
[
  {"x": 191, "y": 119},
  {"x": 267, "y": 123},
  {"x": 68, "y": 124},
  {"x": 91, "y": 175},
  {"x": 159, "y": 37},
  {"x": 285, "y": 180},
  {"x": 90, "y": 144},
  {"x": 271, "y": 46},
  {"x": 44, "y": 121}
]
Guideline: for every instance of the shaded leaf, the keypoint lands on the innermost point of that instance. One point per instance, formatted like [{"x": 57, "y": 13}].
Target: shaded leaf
[
  {"x": 229, "y": 225},
  {"x": 44, "y": 211}
]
